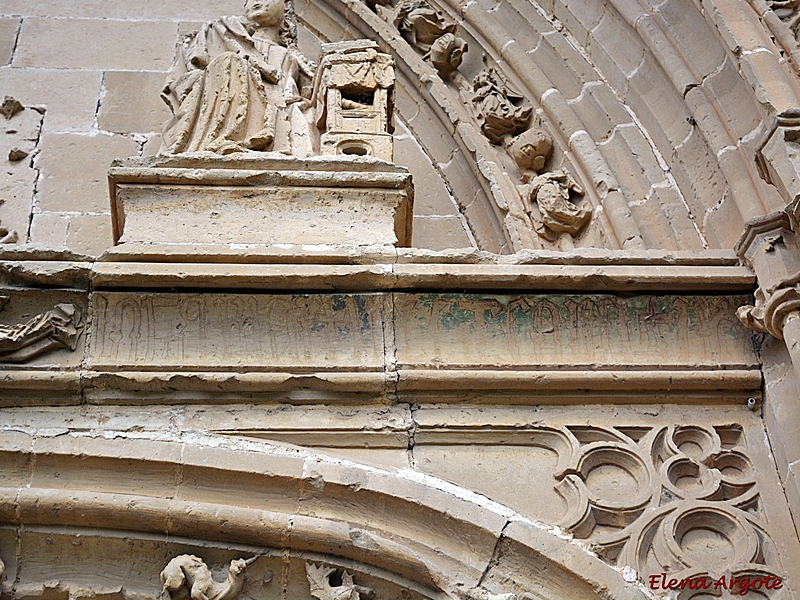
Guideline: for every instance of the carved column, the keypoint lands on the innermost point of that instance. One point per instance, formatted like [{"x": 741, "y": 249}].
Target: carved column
[{"x": 770, "y": 246}]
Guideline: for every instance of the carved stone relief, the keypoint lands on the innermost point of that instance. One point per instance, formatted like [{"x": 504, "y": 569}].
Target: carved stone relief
[
  {"x": 187, "y": 577},
  {"x": 58, "y": 327},
  {"x": 680, "y": 499},
  {"x": 322, "y": 589},
  {"x": 427, "y": 30},
  {"x": 241, "y": 84},
  {"x": 553, "y": 197},
  {"x": 499, "y": 107}
]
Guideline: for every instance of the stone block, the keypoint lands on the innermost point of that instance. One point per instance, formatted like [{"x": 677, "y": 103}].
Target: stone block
[
  {"x": 636, "y": 166},
  {"x": 263, "y": 199},
  {"x": 248, "y": 333},
  {"x": 697, "y": 41},
  {"x": 616, "y": 49},
  {"x": 579, "y": 17},
  {"x": 766, "y": 75},
  {"x": 697, "y": 173},
  {"x": 95, "y": 44},
  {"x": 9, "y": 28},
  {"x": 657, "y": 104},
  {"x": 89, "y": 234},
  {"x": 434, "y": 199},
  {"x": 141, "y": 9},
  {"x": 792, "y": 487},
  {"x": 131, "y": 103},
  {"x": 440, "y": 233},
  {"x": 489, "y": 470},
  {"x": 70, "y": 97},
  {"x": 735, "y": 99},
  {"x": 552, "y": 53},
  {"x": 720, "y": 222},
  {"x": 74, "y": 170},
  {"x": 49, "y": 229},
  {"x": 20, "y": 134},
  {"x": 672, "y": 212},
  {"x": 436, "y": 330},
  {"x": 599, "y": 110}
]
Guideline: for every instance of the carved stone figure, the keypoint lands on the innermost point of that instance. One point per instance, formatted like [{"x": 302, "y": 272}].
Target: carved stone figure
[
  {"x": 236, "y": 85},
  {"x": 530, "y": 150},
  {"x": 446, "y": 53},
  {"x": 186, "y": 577},
  {"x": 321, "y": 588},
  {"x": 430, "y": 32},
  {"x": 497, "y": 105},
  {"x": 56, "y": 328},
  {"x": 559, "y": 214}
]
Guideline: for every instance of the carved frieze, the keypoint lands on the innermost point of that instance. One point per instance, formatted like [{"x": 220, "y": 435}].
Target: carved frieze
[{"x": 187, "y": 577}]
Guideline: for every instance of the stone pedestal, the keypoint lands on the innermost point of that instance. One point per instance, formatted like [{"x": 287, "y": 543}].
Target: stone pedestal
[{"x": 213, "y": 202}]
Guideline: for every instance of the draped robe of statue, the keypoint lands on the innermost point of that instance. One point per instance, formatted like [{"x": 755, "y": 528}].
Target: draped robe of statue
[{"x": 231, "y": 91}]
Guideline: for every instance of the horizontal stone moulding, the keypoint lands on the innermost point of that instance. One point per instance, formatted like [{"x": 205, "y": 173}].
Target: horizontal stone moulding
[
  {"x": 512, "y": 386},
  {"x": 442, "y": 276}
]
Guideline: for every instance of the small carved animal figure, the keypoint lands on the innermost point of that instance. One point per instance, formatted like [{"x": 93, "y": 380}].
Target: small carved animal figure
[{"x": 186, "y": 577}]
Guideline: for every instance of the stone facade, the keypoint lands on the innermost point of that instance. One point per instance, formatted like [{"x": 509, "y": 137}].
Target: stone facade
[{"x": 399, "y": 299}]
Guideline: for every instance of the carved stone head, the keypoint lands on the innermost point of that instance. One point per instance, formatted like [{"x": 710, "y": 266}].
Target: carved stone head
[{"x": 530, "y": 150}]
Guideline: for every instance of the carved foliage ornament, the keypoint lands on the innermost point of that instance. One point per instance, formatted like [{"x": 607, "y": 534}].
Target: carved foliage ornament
[{"x": 59, "y": 327}]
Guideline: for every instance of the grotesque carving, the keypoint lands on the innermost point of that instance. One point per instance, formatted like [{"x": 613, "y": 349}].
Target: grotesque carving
[
  {"x": 186, "y": 577},
  {"x": 497, "y": 106},
  {"x": 10, "y": 107},
  {"x": 56, "y": 328},
  {"x": 236, "y": 85},
  {"x": 321, "y": 588}
]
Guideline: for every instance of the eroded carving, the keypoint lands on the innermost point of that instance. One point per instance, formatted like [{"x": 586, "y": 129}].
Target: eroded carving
[
  {"x": 354, "y": 99},
  {"x": 237, "y": 84},
  {"x": 59, "y": 327},
  {"x": 321, "y": 588},
  {"x": 480, "y": 593},
  {"x": 186, "y": 577},
  {"x": 430, "y": 33},
  {"x": 499, "y": 106}
]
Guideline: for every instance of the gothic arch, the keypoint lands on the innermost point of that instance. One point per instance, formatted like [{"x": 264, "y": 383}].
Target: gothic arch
[
  {"x": 657, "y": 109},
  {"x": 206, "y": 492}
]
